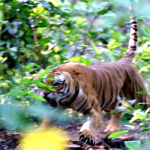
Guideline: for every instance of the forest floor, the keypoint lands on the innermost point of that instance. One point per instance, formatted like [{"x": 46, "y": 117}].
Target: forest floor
[
  {"x": 103, "y": 143},
  {"x": 9, "y": 140}
]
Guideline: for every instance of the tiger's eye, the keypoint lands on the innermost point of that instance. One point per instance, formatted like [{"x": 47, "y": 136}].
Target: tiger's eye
[{"x": 56, "y": 84}]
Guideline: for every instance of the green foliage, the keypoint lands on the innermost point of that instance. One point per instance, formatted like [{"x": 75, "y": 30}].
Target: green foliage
[
  {"x": 36, "y": 34},
  {"x": 141, "y": 92},
  {"x": 117, "y": 134},
  {"x": 133, "y": 145},
  {"x": 44, "y": 73},
  {"x": 132, "y": 113}
]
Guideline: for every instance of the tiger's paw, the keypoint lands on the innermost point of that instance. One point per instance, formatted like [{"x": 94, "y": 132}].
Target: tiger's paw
[
  {"x": 87, "y": 137},
  {"x": 112, "y": 128}
]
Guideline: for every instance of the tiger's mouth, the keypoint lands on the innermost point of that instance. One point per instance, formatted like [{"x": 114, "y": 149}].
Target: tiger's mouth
[
  {"x": 64, "y": 90},
  {"x": 51, "y": 101}
]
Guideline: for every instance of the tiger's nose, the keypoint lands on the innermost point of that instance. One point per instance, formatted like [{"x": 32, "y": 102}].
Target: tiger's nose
[{"x": 46, "y": 93}]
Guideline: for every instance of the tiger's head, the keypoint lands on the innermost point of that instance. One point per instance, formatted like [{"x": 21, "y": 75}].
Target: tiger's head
[{"x": 66, "y": 88}]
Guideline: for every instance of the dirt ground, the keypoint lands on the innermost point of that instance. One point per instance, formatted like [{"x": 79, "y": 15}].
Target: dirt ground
[
  {"x": 9, "y": 140},
  {"x": 103, "y": 142}
]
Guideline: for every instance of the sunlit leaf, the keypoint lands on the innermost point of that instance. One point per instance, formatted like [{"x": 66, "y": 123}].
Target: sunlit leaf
[
  {"x": 117, "y": 134},
  {"x": 147, "y": 31},
  {"x": 36, "y": 96},
  {"x": 141, "y": 92},
  {"x": 26, "y": 80},
  {"x": 44, "y": 73},
  {"x": 42, "y": 85},
  {"x": 133, "y": 119}
]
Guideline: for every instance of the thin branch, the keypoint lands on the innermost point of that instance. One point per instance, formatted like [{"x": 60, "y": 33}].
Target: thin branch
[{"x": 35, "y": 38}]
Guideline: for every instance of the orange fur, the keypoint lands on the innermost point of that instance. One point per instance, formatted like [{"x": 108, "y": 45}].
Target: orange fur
[{"x": 91, "y": 89}]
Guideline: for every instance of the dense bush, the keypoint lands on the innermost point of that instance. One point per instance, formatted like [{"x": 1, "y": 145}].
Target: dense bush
[{"x": 38, "y": 34}]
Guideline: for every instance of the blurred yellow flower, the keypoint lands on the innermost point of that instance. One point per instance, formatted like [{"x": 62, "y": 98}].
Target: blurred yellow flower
[{"x": 47, "y": 139}]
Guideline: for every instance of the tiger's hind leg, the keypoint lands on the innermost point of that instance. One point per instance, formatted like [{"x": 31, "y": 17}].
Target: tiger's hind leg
[
  {"x": 114, "y": 124},
  {"x": 87, "y": 131}
]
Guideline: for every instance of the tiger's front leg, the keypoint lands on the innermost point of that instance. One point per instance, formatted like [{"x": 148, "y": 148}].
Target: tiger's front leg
[{"x": 87, "y": 131}]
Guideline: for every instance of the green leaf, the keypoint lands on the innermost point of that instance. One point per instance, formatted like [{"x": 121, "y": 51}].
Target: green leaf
[
  {"x": 130, "y": 108},
  {"x": 9, "y": 72},
  {"x": 26, "y": 80},
  {"x": 96, "y": 49},
  {"x": 133, "y": 119},
  {"x": 147, "y": 31},
  {"x": 51, "y": 79},
  {"x": 33, "y": 96},
  {"x": 138, "y": 114},
  {"x": 44, "y": 40},
  {"x": 141, "y": 92},
  {"x": 44, "y": 86},
  {"x": 30, "y": 66},
  {"x": 117, "y": 134},
  {"x": 36, "y": 96},
  {"x": 34, "y": 82},
  {"x": 41, "y": 84},
  {"x": 113, "y": 111},
  {"x": 44, "y": 73},
  {"x": 102, "y": 12},
  {"x": 142, "y": 115},
  {"x": 138, "y": 106},
  {"x": 147, "y": 110},
  {"x": 75, "y": 59},
  {"x": 14, "y": 92},
  {"x": 133, "y": 145}
]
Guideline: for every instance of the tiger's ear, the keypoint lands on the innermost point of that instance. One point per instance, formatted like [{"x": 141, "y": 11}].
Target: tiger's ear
[
  {"x": 38, "y": 74},
  {"x": 59, "y": 79}
]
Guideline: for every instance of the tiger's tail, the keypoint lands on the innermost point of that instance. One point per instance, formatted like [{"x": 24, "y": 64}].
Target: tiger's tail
[{"x": 133, "y": 39}]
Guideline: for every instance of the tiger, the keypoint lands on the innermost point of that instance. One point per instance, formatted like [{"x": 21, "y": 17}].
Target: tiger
[{"x": 92, "y": 89}]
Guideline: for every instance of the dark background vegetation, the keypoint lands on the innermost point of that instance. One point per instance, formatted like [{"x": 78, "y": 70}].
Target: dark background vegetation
[{"x": 41, "y": 34}]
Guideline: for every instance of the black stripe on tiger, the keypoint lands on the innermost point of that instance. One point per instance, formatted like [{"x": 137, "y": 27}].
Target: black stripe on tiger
[
  {"x": 135, "y": 28},
  {"x": 133, "y": 22},
  {"x": 129, "y": 55},
  {"x": 112, "y": 92},
  {"x": 133, "y": 40},
  {"x": 85, "y": 107},
  {"x": 103, "y": 98},
  {"x": 76, "y": 93},
  {"x": 87, "y": 110},
  {"x": 80, "y": 101},
  {"x": 82, "y": 106},
  {"x": 134, "y": 34},
  {"x": 100, "y": 88},
  {"x": 68, "y": 95}
]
